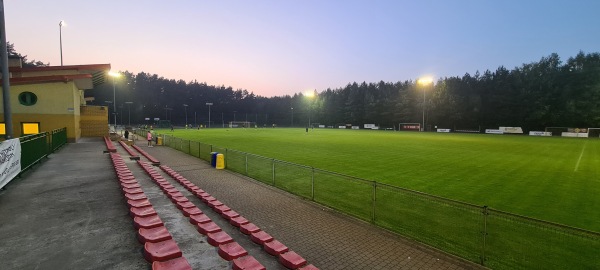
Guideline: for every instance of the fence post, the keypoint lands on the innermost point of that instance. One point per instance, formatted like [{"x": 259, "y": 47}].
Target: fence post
[
  {"x": 273, "y": 165},
  {"x": 312, "y": 191},
  {"x": 485, "y": 213},
  {"x": 374, "y": 198}
]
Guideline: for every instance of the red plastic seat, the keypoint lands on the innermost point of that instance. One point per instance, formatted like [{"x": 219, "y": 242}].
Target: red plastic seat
[
  {"x": 137, "y": 196},
  {"x": 138, "y": 203},
  {"x": 174, "y": 264},
  {"x": 291, "y": 260},
  {"x": 275, "y": 248},
  {"x": 231, "y": 251},
  {"x": 208, "y": 227},
  {"x": 147, "y": 222},
  {"x": 238, "y": 221},
  {"x": 261, "y": 237},
  {"x": 228, "y": 215},
  {"x": 185, "y": 204},
  {"x": 179, "y": 199},
  {"x": 199, "y": 218},
  {"x": 133, "y": 190},
  {"x": 249, "y": 228},
  {"x": 191, "y": 211},
  {"x": 156, "y": 234},
  {"x": 207, "y": 199},
  {"x": 247, "y": 263},
  {"x": 161, "y": 251},
  {"x": 143, "y": 211},
  {"x": 135, "y": 185},
  {"x": 213, "y": 204},
  {"x": 221, "y": 208},
  {"x": 218, "y": 238}
]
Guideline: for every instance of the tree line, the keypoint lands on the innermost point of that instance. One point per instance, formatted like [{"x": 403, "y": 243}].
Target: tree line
[{"x": 535, "y": 95}]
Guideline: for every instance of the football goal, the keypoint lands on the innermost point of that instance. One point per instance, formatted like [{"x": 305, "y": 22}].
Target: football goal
[{"x": 242, "y": 124}]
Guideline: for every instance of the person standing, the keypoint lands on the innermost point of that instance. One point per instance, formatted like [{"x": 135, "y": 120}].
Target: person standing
[
  {"x": 126, "y": 134},
  {"x": 149, "y": 138}
]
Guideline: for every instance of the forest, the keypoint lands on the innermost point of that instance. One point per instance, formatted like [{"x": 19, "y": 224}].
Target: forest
[{"x": 535, "y": 95}]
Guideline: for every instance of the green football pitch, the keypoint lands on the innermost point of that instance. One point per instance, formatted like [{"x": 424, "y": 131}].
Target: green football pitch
[{"x": 549, "y": 178}]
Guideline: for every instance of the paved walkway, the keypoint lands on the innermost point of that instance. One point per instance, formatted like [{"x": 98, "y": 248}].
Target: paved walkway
[
  {"x": 324, "y": 237},
  {"x": 68, "y": 213}
]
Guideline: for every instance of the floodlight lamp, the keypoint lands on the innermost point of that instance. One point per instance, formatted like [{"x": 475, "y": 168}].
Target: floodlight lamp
[
  {"x": 114, "y": 74},
  {"x": 425, "y": 80}
]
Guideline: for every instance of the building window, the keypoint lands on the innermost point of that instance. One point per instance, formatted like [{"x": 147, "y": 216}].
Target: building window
[
  {"x": 30, "y": 128},
  {"x": 27, "y": 98}
]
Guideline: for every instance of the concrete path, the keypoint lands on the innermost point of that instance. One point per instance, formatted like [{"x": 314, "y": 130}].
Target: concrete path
[{"x": 69, "y": 213}]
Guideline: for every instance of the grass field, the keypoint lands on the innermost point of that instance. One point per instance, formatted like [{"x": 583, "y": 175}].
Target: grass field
[{"x": 553, "y": 179}]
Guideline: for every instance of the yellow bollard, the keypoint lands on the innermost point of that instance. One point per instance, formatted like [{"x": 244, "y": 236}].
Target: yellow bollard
[{"x": 220, "y": 162}]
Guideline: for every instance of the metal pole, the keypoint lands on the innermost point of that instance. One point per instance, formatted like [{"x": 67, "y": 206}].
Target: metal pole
[
  {"x": 185, "y": 108},
  {"x": 115, "y": 102},
  {"x": 292, "y": 116},
  {"x": 209, "y": 104},
  {"x": 423, "y": 127},
  {"x": 312, "y": 184},
  {"x": 60, "y": 24},
  {"x": 128, "y": 112},
  {"x": 5, "y": 76}
]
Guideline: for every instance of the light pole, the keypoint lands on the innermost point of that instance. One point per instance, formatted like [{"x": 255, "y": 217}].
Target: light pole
[
  {"x": 292, "y": 116},
  {"x": 60, "y": 25},
  {"x": 129, "y": 111},
  {"x": 209, "y": 104},
  {"x": 185, "y": 108},
  {"x": 114, "y": 75},
  {"x": 310, "y": 96},
  {"x": 424, "y": 82}
]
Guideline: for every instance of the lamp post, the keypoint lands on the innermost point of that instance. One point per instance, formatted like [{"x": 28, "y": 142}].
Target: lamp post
[
  {"x": 292, "y": 116},
  {"x": 185, "y": 108},
  {"x": 310, "y": 96},
  {"x": 209, "y": 104},
  {"x": 424, "y": 82},
  {"x": 60, "y": 25},
  {"x": 129, "y": 112},
  {"x": 114, "y": 75}
]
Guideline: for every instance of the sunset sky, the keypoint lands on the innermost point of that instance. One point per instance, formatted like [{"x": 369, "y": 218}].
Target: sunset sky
[{"x": 280, "y": 47}]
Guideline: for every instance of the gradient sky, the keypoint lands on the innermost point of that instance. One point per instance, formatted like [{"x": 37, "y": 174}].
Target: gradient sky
[{"x": 279, "y": 47}]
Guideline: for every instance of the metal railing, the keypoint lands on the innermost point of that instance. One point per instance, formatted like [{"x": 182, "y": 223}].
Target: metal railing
[
  {"x": 490, "y": 237},
  {"x": 38, "y": 146}
]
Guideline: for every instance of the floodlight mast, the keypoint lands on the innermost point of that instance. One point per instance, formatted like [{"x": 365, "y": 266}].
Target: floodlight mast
[{"x": 424, "y": 81}]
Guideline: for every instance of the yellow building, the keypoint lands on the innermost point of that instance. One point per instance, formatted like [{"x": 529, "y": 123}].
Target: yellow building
[{"x": 46, "y": 98}]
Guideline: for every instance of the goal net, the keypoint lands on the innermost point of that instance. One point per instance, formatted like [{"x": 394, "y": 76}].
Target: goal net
[
  {"x": 409, "y": 126},
  {"x": 593, "y": 132},
  {"x": 241, "y": 124}
]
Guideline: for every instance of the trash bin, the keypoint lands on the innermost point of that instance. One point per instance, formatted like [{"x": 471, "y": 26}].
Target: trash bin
[
  {"x": 220, "y": 162},
  {"x": 159, "y": 140},
  {"x": 213, "y": 159}
]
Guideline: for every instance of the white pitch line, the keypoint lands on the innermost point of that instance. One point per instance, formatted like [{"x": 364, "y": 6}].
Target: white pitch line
[{"x": 580, "y": 155}]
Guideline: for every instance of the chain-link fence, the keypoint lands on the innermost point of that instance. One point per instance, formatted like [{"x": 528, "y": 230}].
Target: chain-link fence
[{"x": 493, "y": 238}]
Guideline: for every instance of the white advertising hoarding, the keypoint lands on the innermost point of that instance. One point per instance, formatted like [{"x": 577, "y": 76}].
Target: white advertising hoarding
[{"x": 10, "y": 160}]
